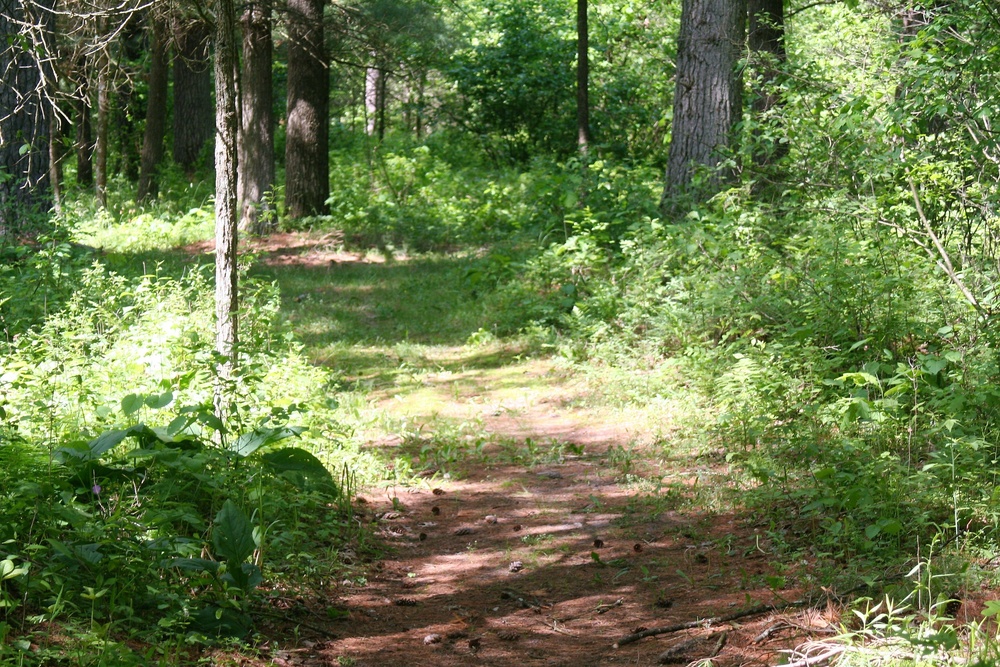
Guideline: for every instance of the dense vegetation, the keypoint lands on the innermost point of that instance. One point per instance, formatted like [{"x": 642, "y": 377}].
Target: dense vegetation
[{"x": 831, "y": 311}]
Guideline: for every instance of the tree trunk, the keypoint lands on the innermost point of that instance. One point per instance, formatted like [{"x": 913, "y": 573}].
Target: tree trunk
[
  {"x": 226, "y": 137},
  {"x": 84, "y": 129},
  {"x": 101, "y": 145},
  {"x": 194, "y": 117},
  {"x": 307, "y": 168},
  {"x": 256, "y": 174},
  {"x": 373, "y": 94},
  {"x": 582, "y": 77},
  {"x": 156, "y": 114},
  {"x": 128, "y": 105},
  {"x": 766, "y": 40},
  {"x": 24, "y": 116},
  {"x": 707, "y": 99},
  {"x": 57, "y": 153}
]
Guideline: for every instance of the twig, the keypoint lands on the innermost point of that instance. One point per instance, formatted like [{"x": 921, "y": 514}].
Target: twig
[
  {"x": 766, "y": 634},
  {"x": 810, "y": 660},
  {"x": 677, "y": 652},
  {"x": 677, "y": 627},
  {"x": 945, "y": 260},
  {"x": 604, "y": 608},
  {"x": 307, "y": 626},
  {"x": 719, "y": 645}
]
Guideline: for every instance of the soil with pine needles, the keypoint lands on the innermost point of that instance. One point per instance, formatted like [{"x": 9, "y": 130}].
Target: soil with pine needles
[{"x": 545, "y": 562}]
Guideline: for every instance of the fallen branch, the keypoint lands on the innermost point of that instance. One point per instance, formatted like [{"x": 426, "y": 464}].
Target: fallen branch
[
  {"x": 752, "y": 611},
  {"x": 680, "y": 652},
  {"x": 603, "y": 608},
  {"x": 677, "y": 627}
]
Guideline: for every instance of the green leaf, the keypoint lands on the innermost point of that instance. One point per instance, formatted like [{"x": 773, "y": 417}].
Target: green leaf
[
  {"x": 221, "y": 622},
  {"x": 248, "y": 443},
  {"x": 992, "y": 608},
  {"x": 193, "y": 564},
  {"x": 302, "y": 468},
  {"x": 158, "y": 401},
  {"x": 132, "y": 404},
  {"x": 232, "y": 536}
]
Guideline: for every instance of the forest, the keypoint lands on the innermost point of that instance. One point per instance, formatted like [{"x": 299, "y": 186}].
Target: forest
[{"x": 457, "y": 332}]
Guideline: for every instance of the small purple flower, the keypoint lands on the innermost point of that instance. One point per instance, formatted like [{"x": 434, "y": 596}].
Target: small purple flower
[{"x": 96, "y": 488}]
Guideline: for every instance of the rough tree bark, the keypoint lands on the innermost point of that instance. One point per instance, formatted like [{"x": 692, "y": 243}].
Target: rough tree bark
[
  {"x": 194, "y": 117},
  {"x": 707, "y": 97},
  {"x": 102, "y": 140},
  {"x": 84, "y": 144},
  {"x": 25, "y": 111},
  {"x": 256, "y": 146},
  {"x": 307, "y": 168},
  {"x": 226, "y": 137},
  {"x": 374, "y": 100},
  {"x": 582, "y": 77},
  {"x": 156, "y": 113}
]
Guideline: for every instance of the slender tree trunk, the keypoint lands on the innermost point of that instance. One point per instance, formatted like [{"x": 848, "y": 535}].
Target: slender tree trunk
[
  {"x": 707, "y": 97},
  {"x": 226, "y": 137},
  {"x": 101, "y": 145},
  {"x": 373, "y": 92},
  {"x": 127, "y": 104},
  {"x": 383, "y": 85},
  {"x": 419, "y": 124},
  {"x": 256, "y": 174},
  {"x": 156, "y": 114},
  {"x": 582, "y": 77},
  {"x": 307, "y": 167},
  {"x": 57, "y": 153},
  {"x": 766, "y": 40},
  {"x": 194, "y": 119},
  {"x": 84, "y": 130}
]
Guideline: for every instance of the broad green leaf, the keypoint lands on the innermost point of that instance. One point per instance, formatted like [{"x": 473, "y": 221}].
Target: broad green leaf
[
  {"x": 132, "y": 404},
  {"x": 304, "y": 468},
  {"x": 158, "y": 401},
  {"x": 248, "y": 443},
  {"x": 232, "y": 536}
]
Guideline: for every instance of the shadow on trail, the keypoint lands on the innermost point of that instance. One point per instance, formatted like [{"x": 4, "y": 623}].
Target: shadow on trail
[{"x": 553, "y": 564}]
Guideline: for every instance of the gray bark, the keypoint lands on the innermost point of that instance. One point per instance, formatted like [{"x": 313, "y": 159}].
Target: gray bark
[
  {"x": 25, "y": 112},
  {"x": 227, "y": 128},
  {"x": 194, "y": 119},
  {"x": 156, "y": 114},
  {"x": 256, "y": 174},
  {"x": 582, "y": 77},
  {"x": 307, "y": 167},
  {"x": 707, "y": 97}
]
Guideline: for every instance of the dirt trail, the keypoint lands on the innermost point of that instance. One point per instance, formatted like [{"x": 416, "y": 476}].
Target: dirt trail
[
  {"x": 551, "y": 563},
  {"x": 549, "y": 543}
]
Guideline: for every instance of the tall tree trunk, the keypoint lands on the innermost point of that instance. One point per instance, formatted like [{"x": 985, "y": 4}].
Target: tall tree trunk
[
  {"x": 707, "y": 97},
  {"x": 582, "y": 77},
  {"x": 766, "y": 40},
  {"x": 373, "y": 94},
  {"x": 57, "y": 152},
  {"x": 226, "y": 138},
  {"x": 156, "y": 113},
  {"x": 256, "y": 174},
  {"x": 84, "y": 144},
  {"x": 128, "y": 105},
  {"x": 194, "y": 117},
  {"x": 307, "y": 167},
  {"x": 101, "y": 145},
  {"x": 24, "y": 114}
]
